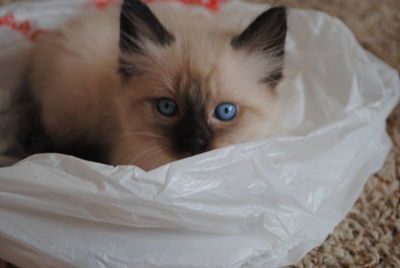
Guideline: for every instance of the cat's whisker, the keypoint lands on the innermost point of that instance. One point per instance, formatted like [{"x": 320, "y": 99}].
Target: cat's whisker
[
  {"x": 149, "y": 152},
  {"x": 142, "y": 133},
  {"x": 156, "y": 158},
  {"x": 134, "y": 134}
]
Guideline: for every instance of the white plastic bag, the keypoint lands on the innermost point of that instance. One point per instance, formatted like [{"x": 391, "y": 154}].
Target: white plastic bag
[{"x": 261, "y": 204}]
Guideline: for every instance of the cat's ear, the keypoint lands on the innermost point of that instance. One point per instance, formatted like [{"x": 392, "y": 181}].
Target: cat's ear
[
  {"x": 266, "y": 34},
  {"x": 138, "y": 24}
]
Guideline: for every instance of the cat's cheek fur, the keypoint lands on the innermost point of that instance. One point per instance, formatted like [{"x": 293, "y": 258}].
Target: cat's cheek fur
[
  {"x": 146, "y": 154},
  {"x": 138, "y": 142},
  {"x": 253, "y": 127}
]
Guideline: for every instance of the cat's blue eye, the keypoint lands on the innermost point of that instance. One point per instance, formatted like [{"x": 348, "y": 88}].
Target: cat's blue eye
[
  {"x": 225, "y": 111},
  {"x": 167, "y": 107}
]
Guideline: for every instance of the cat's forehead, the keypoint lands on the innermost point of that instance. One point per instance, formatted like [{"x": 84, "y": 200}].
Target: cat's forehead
[
  {"x": 205, "y": 67},
  {"x": 190, "y": 84}
]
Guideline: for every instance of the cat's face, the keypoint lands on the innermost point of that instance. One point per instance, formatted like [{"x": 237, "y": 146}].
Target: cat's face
[{"x": 186, "y": 92}]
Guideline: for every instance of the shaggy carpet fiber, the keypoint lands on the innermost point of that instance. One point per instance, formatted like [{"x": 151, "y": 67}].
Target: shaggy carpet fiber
[{"x": 369, "y": 236}]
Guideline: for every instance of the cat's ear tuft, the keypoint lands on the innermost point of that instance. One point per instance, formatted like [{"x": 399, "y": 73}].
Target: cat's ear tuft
[
  {"x": 266, "y": 34},
  {"x": 138, "y": 23}
]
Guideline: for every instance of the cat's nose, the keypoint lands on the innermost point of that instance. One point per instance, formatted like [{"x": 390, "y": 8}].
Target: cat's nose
[
  {"x": 193, "y": 136},
  {"x": 194, "y": 145},
  {"x": 197, "y": 145}
]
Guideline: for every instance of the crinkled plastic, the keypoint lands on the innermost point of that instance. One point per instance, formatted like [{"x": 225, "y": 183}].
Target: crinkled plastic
[{"x": 261, "y": 204}]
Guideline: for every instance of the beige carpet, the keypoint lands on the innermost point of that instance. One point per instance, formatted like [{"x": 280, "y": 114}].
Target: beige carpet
[{"x": 370, "y": 234}]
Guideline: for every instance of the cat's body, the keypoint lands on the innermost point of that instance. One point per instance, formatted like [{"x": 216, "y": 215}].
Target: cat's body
[{"x": 148, "y": 91}]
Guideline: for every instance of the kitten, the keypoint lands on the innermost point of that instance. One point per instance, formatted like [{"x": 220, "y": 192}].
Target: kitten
[{"x": 152, "y": 84}]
